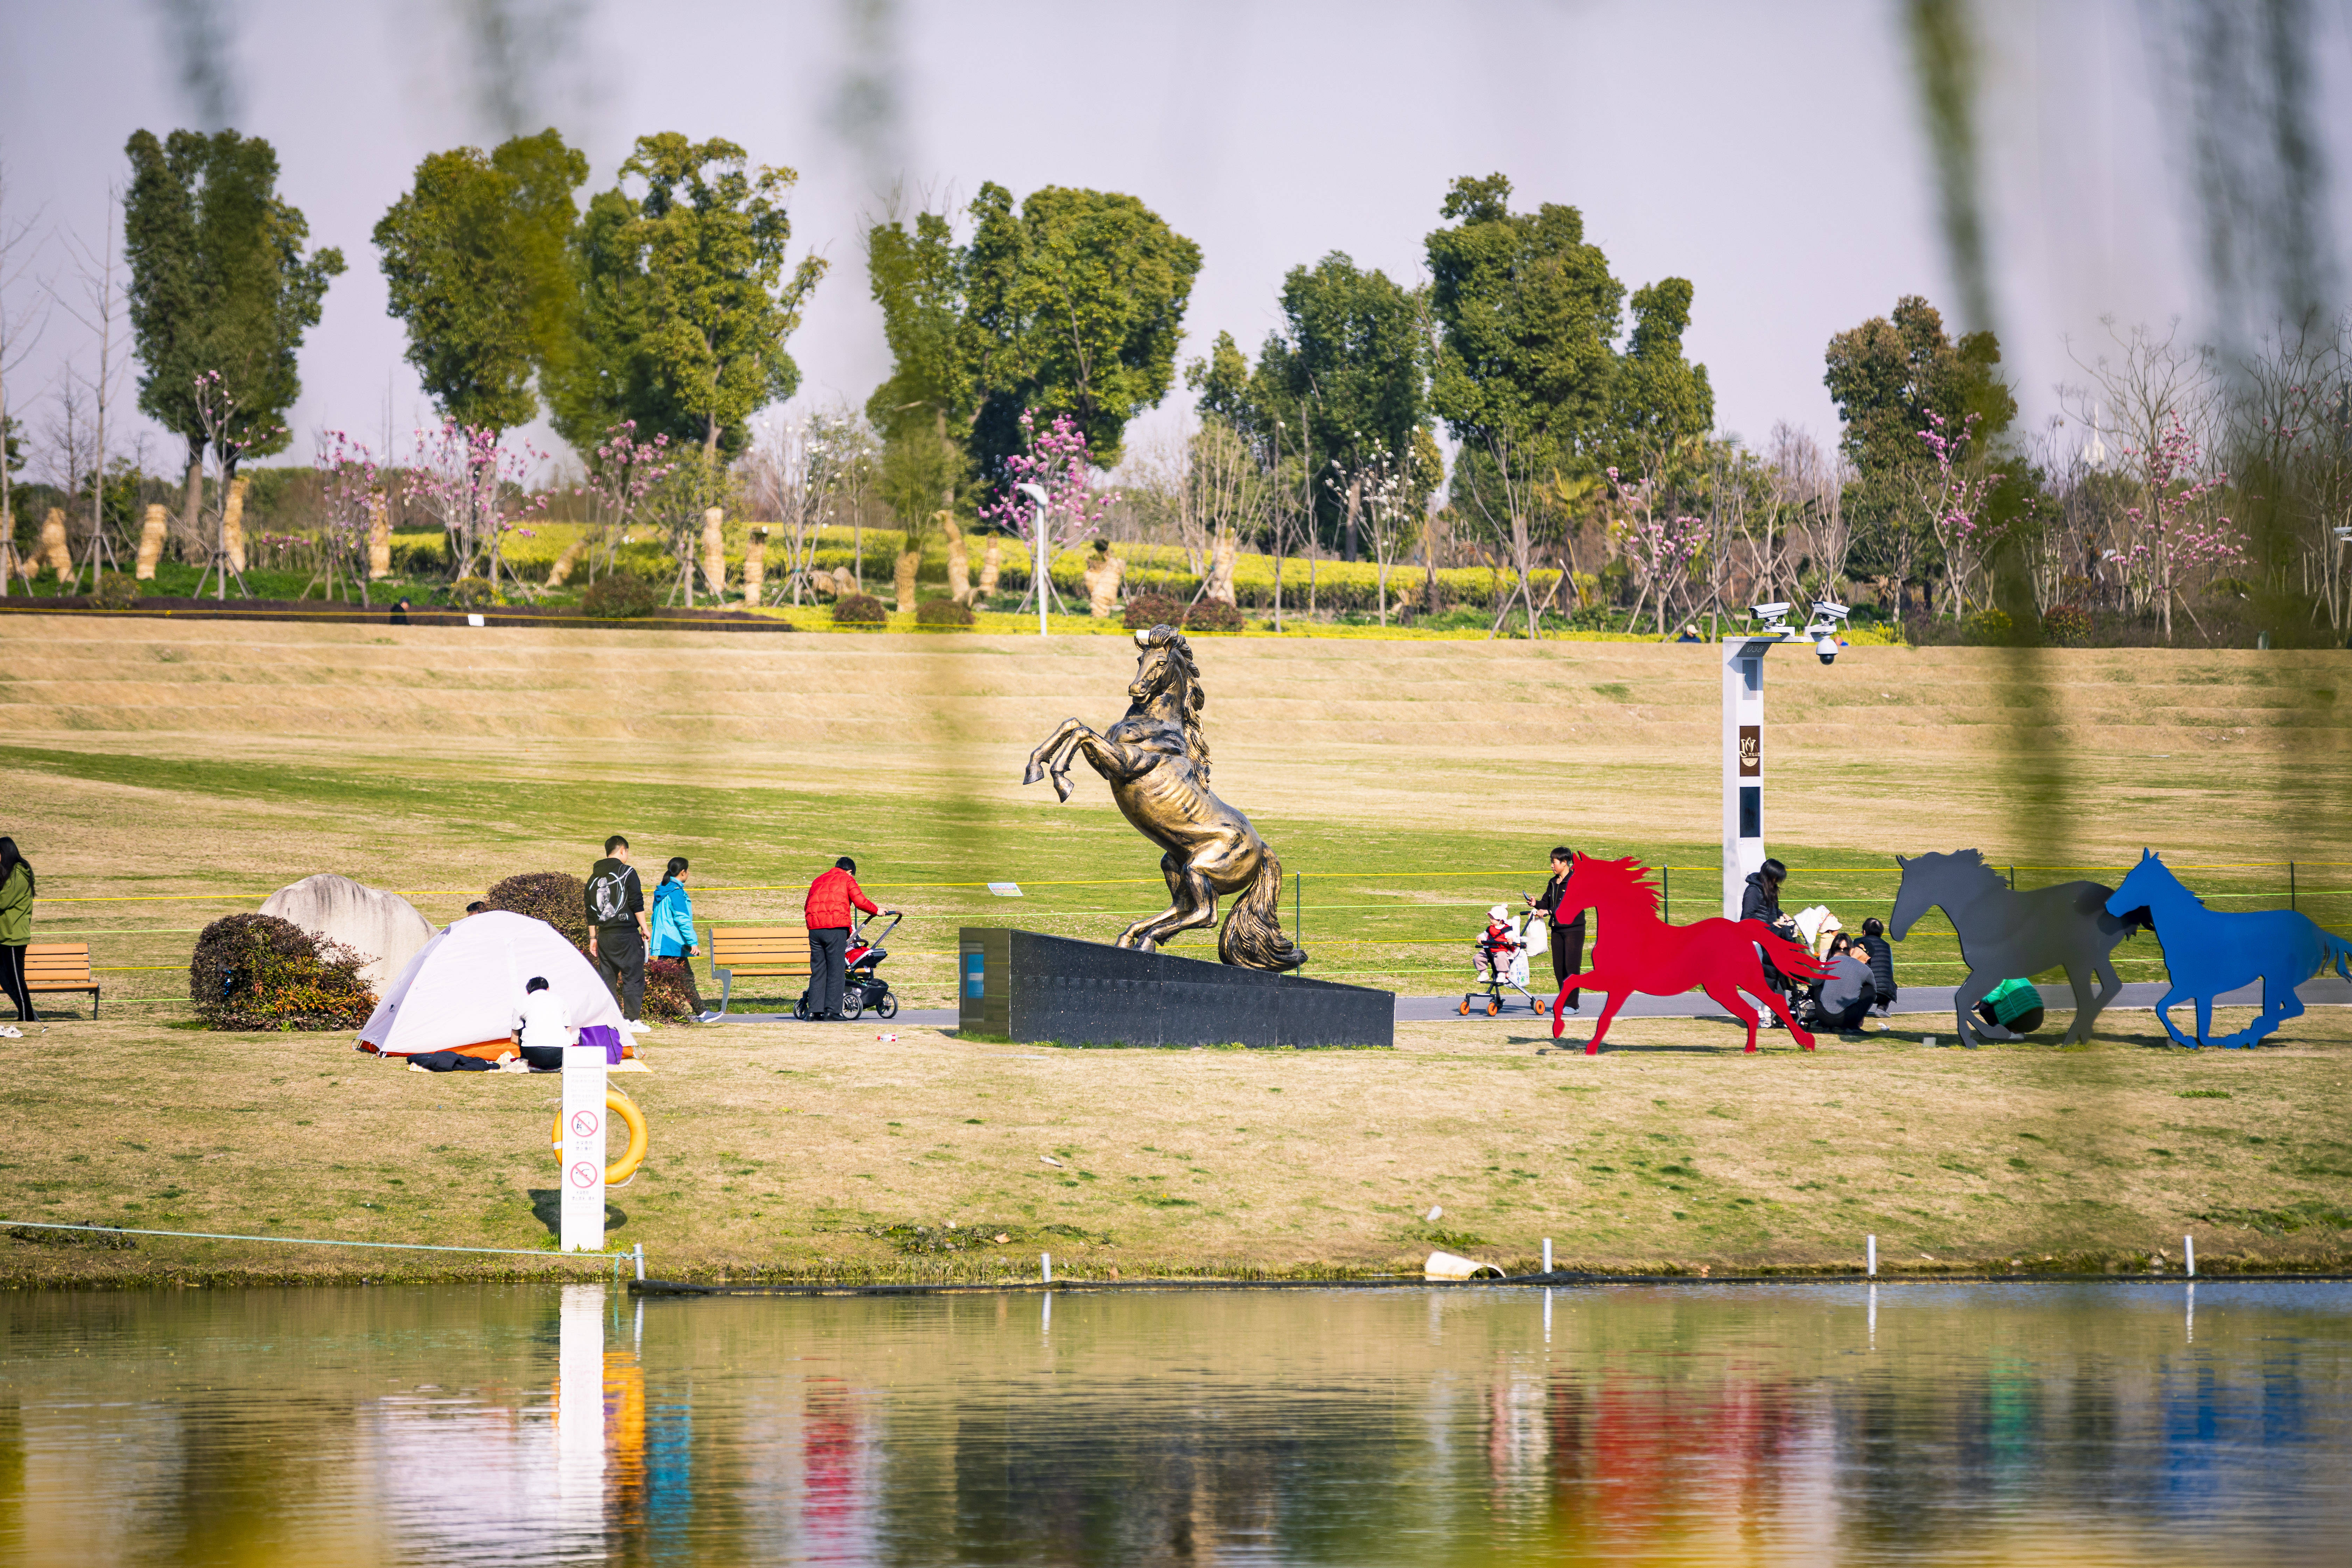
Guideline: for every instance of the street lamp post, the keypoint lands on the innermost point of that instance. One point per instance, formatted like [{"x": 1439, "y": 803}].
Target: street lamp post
[
  {"x": 1743, "y": 734},
  {"x": 1036, "y": 493}
]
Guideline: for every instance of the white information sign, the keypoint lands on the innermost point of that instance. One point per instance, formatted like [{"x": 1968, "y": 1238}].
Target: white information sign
[{"x": 583, "y": 1149}]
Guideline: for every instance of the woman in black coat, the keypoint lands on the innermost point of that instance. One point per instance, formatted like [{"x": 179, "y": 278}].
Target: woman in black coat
[{"x": 1567, "y": 941}]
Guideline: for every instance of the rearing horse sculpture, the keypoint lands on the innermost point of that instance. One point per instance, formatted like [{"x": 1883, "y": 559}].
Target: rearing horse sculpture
[{"x": 1155, "y": 761}]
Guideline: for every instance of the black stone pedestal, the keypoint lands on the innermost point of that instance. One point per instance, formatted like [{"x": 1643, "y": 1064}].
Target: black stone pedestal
[{"x": 1027, "y": 987}]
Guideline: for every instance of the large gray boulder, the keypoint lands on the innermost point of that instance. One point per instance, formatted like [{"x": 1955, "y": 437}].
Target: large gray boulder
[{"x": 384, "y": 926}]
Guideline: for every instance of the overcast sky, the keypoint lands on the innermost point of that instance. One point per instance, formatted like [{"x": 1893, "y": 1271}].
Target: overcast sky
[{"x": 1769, "y": 152}]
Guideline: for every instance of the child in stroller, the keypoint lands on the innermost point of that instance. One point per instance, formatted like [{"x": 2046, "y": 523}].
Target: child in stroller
[{"x": 1501, "y": 952}]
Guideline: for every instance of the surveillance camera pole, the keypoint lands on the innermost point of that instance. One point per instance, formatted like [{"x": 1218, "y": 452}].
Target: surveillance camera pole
[
  {"x": 1037, "y": 527},
  {"x": 1743, "y": 761},
  {"x": 1743, "y": 740}
]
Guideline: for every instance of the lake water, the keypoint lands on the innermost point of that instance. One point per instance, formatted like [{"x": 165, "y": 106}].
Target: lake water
[{"x": 1976, "y": 1423}]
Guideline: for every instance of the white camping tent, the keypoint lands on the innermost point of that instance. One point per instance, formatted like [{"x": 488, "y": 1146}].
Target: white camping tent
[{"x": 461, "y": 990}]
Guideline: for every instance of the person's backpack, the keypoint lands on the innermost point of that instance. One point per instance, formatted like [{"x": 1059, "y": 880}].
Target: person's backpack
[{"x": 608, "y": 896}]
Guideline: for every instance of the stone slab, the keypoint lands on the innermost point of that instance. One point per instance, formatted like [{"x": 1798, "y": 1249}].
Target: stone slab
[{"x": 1027, "y": 986}]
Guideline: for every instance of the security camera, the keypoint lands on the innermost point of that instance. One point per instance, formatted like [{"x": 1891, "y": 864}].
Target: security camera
[
  {"x": 1829, "y": 610},
  {"x": 1772, "y": 611},
  {"x": 1827, "y": 647}
]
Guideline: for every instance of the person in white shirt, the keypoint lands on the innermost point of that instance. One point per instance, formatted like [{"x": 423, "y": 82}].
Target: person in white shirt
[{"x": 542, "y": 1024}]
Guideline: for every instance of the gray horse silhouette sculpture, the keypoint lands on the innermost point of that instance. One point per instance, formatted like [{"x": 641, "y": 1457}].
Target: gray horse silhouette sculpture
[
  {"x": 2007, "y": 934},
  {"x": 2206, "y": 951}
]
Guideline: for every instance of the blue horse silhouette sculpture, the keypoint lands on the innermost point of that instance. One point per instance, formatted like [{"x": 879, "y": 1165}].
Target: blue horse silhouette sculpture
[
  {"x": 2208, "y": 952},
  {"x": 2005, "y": 934}
]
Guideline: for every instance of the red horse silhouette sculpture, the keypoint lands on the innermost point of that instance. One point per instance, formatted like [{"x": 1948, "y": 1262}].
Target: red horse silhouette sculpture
[{"x": 1636, "y": 950}]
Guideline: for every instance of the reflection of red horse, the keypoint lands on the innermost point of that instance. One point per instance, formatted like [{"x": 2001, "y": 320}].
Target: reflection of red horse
[{"x": 1636, "y": 950}]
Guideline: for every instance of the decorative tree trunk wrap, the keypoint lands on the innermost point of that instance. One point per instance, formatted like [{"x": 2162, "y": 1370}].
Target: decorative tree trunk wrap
[
  {"x": 379, "y": 539},
  {"x": 560, "y": 573},
  {"x": 714, "y": 553},
  {"x": 755, "y": 568},
  {"x": 232, "y": 525},
  {"x": 903, "y": 578},
  {"x": 152, "y": 534},
  {"x": 1102, "y": 579},
  {"x": 959, "y": 562},
  {"x": 991, "y": 564},
  {"x": 1220, "y": 571},
  {"x": 55, "y": 554}
]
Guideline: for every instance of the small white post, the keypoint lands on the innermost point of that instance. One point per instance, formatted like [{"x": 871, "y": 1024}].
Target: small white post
[
  {"x": 1870, "y": 1246},
  {"x": 2189, "y": 1251},
  {"x": 1547, "y": 1255},
  {"x": 582, "y": 1226},
  {"x": 1046, "y": 1259},
  {"x": 641, "y": 1262}
]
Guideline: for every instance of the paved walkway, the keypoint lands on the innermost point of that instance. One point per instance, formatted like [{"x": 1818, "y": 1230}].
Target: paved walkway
[{"x": 1923, "y": 999}]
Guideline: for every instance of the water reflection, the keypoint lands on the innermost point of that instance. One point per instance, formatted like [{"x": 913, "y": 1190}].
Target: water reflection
[{"x": 1793, "y": 1425}]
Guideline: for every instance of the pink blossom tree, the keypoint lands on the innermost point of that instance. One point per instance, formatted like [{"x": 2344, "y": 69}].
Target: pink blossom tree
[
  {"x": 2173, "y": 540},
  {"x": 227, "y": 437},
  {"x": 1957, "y": 511},
  {"x": 350, "y": 483},
  {"x": 622, "y": 472},
  {"x": 474, "y": 484},
  {"x": 1662, "y": 549},
  {"x": 1056, "y": 462}
]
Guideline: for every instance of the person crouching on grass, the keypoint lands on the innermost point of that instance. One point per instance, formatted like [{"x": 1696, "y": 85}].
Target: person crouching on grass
[
  {"x": 830, "y": 899},
  {"x": 542, "y": 1028}
]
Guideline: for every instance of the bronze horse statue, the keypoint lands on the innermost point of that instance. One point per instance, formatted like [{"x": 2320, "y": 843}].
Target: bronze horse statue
[{"x": 1155, "y": 761}]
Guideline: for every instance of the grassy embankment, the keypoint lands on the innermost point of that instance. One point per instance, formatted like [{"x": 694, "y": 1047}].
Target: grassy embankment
[{"x": 223, "y": 761}]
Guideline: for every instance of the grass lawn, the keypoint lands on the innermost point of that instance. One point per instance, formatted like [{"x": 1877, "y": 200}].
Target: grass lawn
[
  {"x": 162, "y": 774},
  {"x": 805, "y": 1151}
]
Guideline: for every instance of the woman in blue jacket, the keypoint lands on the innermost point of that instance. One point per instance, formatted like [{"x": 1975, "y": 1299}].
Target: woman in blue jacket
[{"x": 673, "y": 929}]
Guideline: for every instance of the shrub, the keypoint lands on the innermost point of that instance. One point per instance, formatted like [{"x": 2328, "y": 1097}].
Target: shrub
[
  {"x": 1145, "y": 611},
  {"x": 1991, "y": 627},
  {"x": 257, "y": 972},
  {"x": 2067, "y": 625},
  {"x": 113, "y": 591},
  {"x": 472, "y": 594},
  {"x": 1212, "y": 616},
  {"x": 859, "y": 610},
  {"x": 942, "y": 613},
  {"x": 666, "y": 993},
  {"x": 556, "y": 896},
  {"x": 618, "y": 596}
]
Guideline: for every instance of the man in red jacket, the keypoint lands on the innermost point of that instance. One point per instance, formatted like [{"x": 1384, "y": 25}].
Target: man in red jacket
[{"x": 830, "y": 899}]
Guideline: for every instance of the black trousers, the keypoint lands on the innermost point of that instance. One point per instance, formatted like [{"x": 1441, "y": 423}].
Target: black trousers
[
  {"x": 828, "y": 955},
  {"x": 1567, "y": 957},
  {"x": 621, "y": 961},
  {"x": 12, "y": 981}
]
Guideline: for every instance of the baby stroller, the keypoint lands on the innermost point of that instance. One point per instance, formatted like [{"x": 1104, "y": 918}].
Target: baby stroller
[
  {"x": 1503, "y": 960},
  {"x": 861, "y": 988}
]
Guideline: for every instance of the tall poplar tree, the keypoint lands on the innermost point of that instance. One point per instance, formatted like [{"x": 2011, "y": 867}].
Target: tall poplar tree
[
  {"x": 475, "y": 257},
  {"x": 685, "y": 302},
  {"x": 219, "y": 282}
]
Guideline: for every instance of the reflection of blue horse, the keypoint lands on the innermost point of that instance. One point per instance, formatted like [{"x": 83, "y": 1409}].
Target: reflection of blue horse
[{"x": 2207, "y": 952}]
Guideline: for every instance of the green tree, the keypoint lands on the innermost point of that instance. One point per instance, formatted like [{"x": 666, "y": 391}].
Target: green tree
[
  {"x": 219, "y": 282},
  {"x": 684, "y": 301},
  {"x": 1886, "y": 376},
  {"x": 475, "y": 255},
  {"x": 1073, "y": 305},
  {"x": 1527, "y": 375},
  {"x": 1355, "y": 351}
]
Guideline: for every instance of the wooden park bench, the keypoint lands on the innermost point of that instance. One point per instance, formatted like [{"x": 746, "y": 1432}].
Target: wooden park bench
[
  {"x": 757, "y": 950},
  {"x": 61, "y": 967}
]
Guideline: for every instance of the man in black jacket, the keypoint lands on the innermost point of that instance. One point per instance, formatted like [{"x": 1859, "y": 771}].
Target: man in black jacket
[
  {"x": 1567, "y": 941},
  {"x": 616, "y": 928}
]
